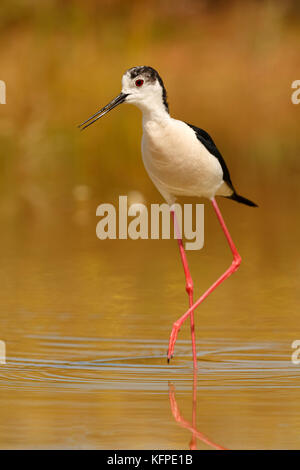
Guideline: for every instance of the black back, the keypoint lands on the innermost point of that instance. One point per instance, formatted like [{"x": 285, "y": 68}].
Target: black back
[{"x": 209, "y": 144}]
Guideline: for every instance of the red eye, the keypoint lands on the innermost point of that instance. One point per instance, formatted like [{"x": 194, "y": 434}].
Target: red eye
[{"x": 139, "y": 82}]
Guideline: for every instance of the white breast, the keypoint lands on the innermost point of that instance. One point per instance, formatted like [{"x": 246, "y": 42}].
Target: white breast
[{"x": 177, "y": 162}]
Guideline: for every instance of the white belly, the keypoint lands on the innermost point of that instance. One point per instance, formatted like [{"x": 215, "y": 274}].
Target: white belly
[{"x": 177, "y": 162}]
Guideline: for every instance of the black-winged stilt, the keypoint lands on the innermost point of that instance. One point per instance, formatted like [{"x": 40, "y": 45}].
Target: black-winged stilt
[{"x": 181, "y": 159}]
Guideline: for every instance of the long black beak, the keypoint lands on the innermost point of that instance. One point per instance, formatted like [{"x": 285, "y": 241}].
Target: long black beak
[{"x": 115, "y": 102}]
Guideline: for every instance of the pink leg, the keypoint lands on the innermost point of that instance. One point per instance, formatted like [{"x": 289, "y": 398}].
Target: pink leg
[
  {"x": 189, "y": 286},
  {"x": 234, "y": 266},
  {"x": 186, "y": 424},
  {"x": 193, "y": 444}
]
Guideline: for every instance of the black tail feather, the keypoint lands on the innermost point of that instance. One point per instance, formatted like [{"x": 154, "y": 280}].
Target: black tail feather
[{"x": 242, "y": 200}]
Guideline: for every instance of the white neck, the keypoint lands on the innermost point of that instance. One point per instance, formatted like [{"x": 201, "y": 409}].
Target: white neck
[{"x": 153, "y": 110}]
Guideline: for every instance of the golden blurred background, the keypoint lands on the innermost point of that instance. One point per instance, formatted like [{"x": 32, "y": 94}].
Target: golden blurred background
[{"x": 227, "y": 67}]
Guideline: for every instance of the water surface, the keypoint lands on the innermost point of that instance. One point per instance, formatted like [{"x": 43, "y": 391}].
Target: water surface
[{"x": 86, "y": 325}]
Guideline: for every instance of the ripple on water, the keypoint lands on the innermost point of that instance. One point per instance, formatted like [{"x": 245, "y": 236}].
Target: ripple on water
[{"x": 118, "y": 364}]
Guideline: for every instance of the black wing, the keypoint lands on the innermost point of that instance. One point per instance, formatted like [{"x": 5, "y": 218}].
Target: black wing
[{"x": 209, "y": 144}]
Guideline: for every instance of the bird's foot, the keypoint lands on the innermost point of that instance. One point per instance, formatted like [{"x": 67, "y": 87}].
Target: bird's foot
[{"x": 172, "y": 341}]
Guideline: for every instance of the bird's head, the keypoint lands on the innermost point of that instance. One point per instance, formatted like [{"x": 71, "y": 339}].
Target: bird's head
[{"x": 141, "y": 86}]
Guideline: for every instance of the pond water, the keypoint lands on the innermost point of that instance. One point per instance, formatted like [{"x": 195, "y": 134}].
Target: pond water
[{"x": 86, "y": 325}]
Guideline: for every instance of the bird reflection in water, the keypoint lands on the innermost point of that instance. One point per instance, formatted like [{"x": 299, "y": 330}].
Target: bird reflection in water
[{"x": 191, "y": 426}]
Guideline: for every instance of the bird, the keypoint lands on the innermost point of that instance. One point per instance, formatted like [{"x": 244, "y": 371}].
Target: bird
[{"x": 181, "y": 160}]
